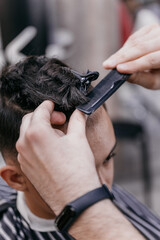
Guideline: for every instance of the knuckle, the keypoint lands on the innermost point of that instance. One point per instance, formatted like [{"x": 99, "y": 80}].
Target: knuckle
[
  {"x": 138, "y": 45},
  {"x": 135, "y": 42},
  {"x": 122, "y": 54},
  {"x": 26, "y": 116},
  {"x": 19, "y": 145},
  {"x": 32, "y": 133}
]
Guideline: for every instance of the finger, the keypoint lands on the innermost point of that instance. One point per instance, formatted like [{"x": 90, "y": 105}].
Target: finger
[
  {"x": 77, "y": 123},
  {"x": 148, "y": 80},
  {"x": 145, "y": 33},
  {"x": 42, "y": 114},
  {"x": 24, "y": 126},
  {"x": 58, "y": 118},
  {"x": 147, "y": 62},
  {"x": 25, "y": 123},
  {"x": 133, "y": 52},
  {"x": 40, "y": 124},
  {"x": 136, "y": 46}
]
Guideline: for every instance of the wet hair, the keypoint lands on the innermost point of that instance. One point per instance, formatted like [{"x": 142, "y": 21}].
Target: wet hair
[{"x": 26, "y": 85}]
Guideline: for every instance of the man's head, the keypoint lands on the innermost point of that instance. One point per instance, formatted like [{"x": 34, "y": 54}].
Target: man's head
[
  {"x": 22, "y": 88},
  {"x": 27, "y": 84}
]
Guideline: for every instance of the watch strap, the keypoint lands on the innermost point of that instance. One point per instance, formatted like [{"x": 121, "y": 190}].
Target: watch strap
[
  {"x": 72, "y": 210},
  {"x": 91, "y": 198}
]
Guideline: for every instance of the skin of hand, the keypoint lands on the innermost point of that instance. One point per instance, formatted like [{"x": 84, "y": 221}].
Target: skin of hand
[
  {"x": 140, "y": 56},
  {"x": 58, "y": 118},
  {"x": 35, "y": 128},
  {"x": 67, "y": 183}
]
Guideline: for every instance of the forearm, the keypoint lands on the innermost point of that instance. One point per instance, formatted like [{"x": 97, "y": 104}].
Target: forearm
[
  {"x": 100, "y": 221},
  {"x": 104, "y": 221},
  {"x": 66, "y": 171}
]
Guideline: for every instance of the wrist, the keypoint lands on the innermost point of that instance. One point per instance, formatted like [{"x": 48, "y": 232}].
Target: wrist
[
  {"x": 71, "y": 190},
  {"x": 74, "y": 191},
  {"x": 74, "y": 209}
]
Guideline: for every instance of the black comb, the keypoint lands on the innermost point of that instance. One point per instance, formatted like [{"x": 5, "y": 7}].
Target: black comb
[{"x": 104, "y": 89}]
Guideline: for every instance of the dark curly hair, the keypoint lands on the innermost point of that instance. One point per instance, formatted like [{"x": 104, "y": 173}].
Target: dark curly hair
[{"x": 27, "y": 84}]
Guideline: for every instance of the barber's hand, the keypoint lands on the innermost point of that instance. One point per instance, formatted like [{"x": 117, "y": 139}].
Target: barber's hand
[
  {"x": 59, "y": 165},
  {"x": 57, "y": 118},
  {"x": 140, "y": 56}
]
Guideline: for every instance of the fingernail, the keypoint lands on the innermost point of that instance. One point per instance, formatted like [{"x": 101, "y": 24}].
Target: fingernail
[{"x": 109, "y": 63}]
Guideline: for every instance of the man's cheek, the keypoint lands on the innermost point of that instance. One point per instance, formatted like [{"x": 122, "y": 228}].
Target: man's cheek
[{"x": 106, "y": 173}]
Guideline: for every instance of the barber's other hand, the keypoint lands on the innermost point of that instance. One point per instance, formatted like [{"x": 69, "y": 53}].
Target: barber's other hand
[
  {"x": 140, "y": 56},
  {"x": 59, "y": 165}
]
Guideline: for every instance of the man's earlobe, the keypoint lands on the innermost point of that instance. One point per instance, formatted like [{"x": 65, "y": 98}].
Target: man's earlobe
[{"x": 13, "y": 177}]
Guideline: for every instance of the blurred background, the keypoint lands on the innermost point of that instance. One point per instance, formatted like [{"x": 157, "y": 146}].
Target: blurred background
[{"x": 83, "y": 34}]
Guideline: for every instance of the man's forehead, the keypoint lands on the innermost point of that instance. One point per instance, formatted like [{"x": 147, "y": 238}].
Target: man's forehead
[{"x": 95, "y": 117}]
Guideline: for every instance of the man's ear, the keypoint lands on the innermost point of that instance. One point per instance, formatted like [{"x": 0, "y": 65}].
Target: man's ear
[{"x": 13, "y": 177}]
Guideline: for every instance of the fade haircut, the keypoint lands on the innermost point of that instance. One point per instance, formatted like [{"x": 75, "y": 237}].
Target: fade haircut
[{"x": 26, "y": 85}]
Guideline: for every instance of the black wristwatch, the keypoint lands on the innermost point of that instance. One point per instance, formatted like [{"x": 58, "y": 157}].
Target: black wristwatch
[{"x": 72, "y": 210}]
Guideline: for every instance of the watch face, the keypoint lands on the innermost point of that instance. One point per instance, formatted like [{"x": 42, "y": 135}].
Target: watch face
[{"x": 65, "y": 218}]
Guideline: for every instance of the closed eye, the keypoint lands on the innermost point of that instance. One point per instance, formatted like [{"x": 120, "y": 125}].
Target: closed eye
[{"x": 111, "y": 154}]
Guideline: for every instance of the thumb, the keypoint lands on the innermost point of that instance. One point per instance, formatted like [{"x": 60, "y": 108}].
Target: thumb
[{"x": 77, "y": 123}]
